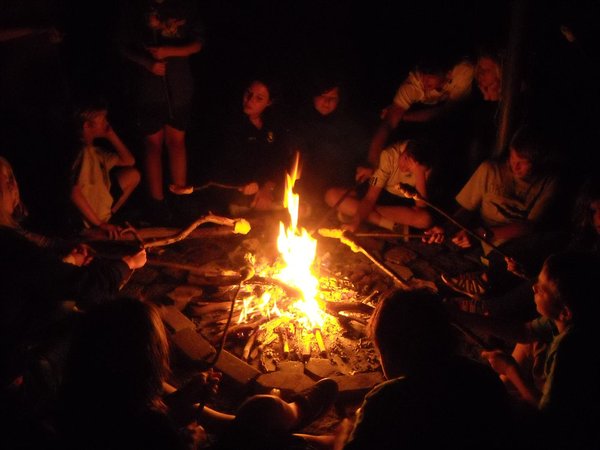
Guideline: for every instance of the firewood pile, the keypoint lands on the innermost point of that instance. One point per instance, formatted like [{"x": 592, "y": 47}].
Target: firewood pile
[{"x": 201, "y": 277}]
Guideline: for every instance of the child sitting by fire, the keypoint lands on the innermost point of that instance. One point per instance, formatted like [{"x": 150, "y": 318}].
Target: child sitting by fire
[
  {"x": 91, "y": 190},
  {"x": 405, "y": 162}
]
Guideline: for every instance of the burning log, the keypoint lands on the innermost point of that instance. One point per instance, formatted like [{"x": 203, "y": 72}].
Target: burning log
[
  {"x": 285, "y": 342},
  {"x": 305, "y": 345},
  {"x": 320, "y": 343},
  {"x": 248, "y": 346},
  {"x": 259, "y": 349}
]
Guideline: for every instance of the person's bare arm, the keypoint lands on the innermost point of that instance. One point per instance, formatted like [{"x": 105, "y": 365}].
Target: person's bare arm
[
  {"x": 506, "y": 365},
  {"x": 365, "y": 207},
  {"x": 180, "y": 51},
  {"x": 393, "y": 115},
  {"x": 125, "y": 156},
  {"x": 510, "y": 331},
  {"x": 77, "y": 197},
  {"x": 158, "y": 68}
]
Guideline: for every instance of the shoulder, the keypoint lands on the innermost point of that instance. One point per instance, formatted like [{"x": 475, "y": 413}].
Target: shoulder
[{"x": 395, "y": 150}]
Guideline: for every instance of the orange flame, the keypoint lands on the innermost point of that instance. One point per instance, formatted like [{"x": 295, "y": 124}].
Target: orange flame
[{"x": 298, "y": 250}]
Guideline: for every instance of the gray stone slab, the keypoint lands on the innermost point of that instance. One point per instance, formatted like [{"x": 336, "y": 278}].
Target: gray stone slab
[
  {"x": 182, "y": 295},
  {"x": 193, "y": 346},
  {"x": 357, "y": 384},
  {"x": 291, "y": 366},
  {"x": 175, "y": 320},
  {"x": 288, "y": 382},
  {"x": 321, "y": 368},
  {"x": 236, "y": 370}
]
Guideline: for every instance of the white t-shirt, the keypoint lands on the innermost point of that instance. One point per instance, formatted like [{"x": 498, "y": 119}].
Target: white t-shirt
[
  {"x": 91, "y": 174},
  {"x": 459, "y": 85},
  {"x": 388, "y": 174}
]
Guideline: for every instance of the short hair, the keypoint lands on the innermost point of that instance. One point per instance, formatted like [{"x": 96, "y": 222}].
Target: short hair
[
  {"x": 574, "y": 273},
  {"x": 87, "y": 110},
  {"x": 422, "y": 151},
  {"x": 435, "y": 65},
  {"x": 412, "y": 328},
  {"x": 324, "y": 82},
  {"x": 530, "y": 144}
]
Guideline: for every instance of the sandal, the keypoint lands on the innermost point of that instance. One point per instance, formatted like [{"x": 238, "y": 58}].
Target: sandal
[{"x": 471, "y": 284}]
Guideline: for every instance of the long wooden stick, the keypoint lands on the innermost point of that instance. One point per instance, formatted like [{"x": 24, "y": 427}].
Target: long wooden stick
[
  {"x": 334, "y": 207},
  {"x": 240, "y": 226},
  {"x": 347, "y": 238},
  {"x": 410, "y": 192}
]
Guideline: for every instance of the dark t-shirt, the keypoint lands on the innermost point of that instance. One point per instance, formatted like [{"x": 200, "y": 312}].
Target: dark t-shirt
[
  {"x": 151, "y": 24},
  {"x": 461, "y": 404},
  {"x": 34, "y": 283},
  {"x": 331, "y": 147}
]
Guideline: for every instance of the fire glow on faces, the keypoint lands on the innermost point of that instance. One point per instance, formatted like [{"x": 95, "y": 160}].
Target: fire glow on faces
[
  {"x": 545, "y": 296},
  {"x": 327, "y": 102},
  {"x": 521, "y": 167},
  {"x": 256, "y": 99}
]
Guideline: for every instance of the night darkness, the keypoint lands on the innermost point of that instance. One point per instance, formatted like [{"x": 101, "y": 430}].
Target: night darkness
[{"x": 372, "y": 44}]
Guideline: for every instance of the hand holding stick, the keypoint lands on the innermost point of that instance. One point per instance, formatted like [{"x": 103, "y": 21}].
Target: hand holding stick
[
  {"x": 246, "y": 189},
  {"x": 335, "y": 206},
  {"x": 410, "y": 192}
]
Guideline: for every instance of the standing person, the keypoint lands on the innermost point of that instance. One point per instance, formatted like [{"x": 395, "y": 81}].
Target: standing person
[
  {"x": 93, "y": 170},
  {"x": 159, "y": 36},
  {"x": 433, "y": 397}
]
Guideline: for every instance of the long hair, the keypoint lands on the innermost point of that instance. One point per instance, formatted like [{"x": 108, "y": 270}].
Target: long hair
[
  {"x": 118, "y": 360},
  {"x": 10, "y": 219}
]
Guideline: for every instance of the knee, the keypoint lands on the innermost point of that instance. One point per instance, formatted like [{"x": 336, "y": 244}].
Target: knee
[
  {"x": 331, "y": 196},
  {"x": 130, "y": 178}
]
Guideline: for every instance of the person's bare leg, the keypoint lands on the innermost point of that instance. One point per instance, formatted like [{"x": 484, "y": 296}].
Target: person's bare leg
[
  {"x": 153, "y": 164},
  {"x": 175, "y": 140},
  {"x": 128, "y": 179},
  {"x": 349, "y": 205},
  {"x": 406, "y": 215}
]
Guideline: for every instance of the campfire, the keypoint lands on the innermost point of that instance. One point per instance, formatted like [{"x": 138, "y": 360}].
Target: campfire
[{"x": 290, "y": 313}]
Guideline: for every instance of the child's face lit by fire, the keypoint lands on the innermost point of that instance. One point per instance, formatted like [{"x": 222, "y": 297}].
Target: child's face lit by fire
[
  {"x": 327, "y": 102},
  {"x": 98, "y": 125},
  {"x": 256, "y": 99},
  {"x": 546, "y": 296},
  {"x": 9, "y": 190},
  {"x": 522, "y": 168}
]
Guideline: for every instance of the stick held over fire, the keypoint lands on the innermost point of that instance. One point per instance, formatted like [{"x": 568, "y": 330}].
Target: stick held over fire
[
  {"x": 240, "y": 226},
  {"x": 347, "y": 238},
  {"x": 246, "y": 189}
]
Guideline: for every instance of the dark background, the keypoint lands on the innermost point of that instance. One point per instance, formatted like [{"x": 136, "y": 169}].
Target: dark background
[{"x": 372, "y": 44}]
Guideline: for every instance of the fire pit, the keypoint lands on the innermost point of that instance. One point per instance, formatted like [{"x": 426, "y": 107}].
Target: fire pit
[{"x": 290, "y": 310}]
